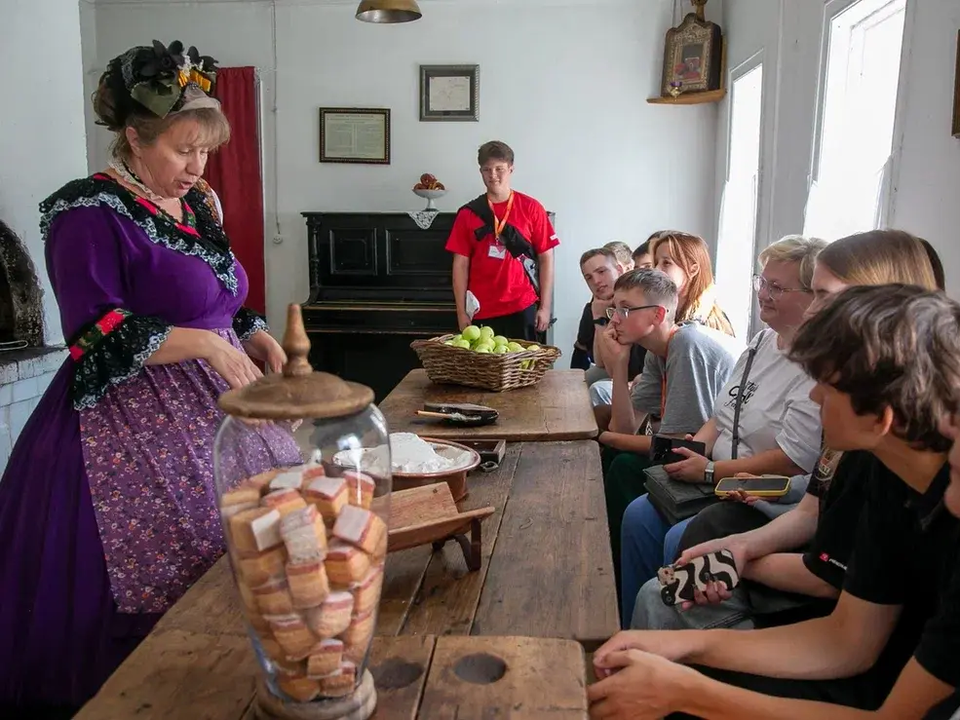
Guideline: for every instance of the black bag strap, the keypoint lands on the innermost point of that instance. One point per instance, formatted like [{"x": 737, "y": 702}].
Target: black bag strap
[
  {"x": 751, "y": 354},
  {"x": 513, "y": 240}
]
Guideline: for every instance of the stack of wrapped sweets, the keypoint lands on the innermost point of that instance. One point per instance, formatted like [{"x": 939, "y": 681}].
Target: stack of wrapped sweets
[{"x": 308, "y": 553}]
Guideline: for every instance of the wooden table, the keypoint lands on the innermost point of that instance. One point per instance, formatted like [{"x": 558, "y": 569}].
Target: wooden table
[
  {"x": 178, "y": 675},
  {"x": 546, "y": 569},
  {"x": 556, "y": 408},
  {"x": 546, "y": 573}
]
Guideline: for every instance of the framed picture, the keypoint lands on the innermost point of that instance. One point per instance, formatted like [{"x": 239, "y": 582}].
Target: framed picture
[
  {"x": 692, "y": 57},
  {"x": 450, "y": 93},
  {"x": 956, "y": 93},
  {"x": 355, "y": 135}
]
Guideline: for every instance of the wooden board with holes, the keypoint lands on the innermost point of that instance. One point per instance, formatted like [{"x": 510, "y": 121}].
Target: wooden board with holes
[
  {"x": 501, "y": 677},
  {"x": 556, "y": 408},
  {"x": 176, "y": 674}
]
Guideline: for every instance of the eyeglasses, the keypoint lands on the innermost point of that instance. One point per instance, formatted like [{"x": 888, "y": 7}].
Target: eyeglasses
[
  {"x": 773, "y": 290},
  {"x": 624, "y": 312}
]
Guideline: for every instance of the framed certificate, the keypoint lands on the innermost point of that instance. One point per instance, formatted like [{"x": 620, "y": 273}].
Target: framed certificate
[
  {"x": 355, "y": 135},
  {"x": 450, "y": 92}
]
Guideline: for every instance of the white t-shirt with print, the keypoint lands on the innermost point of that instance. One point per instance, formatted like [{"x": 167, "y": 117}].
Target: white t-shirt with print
[{"x": 776, "y": 410}]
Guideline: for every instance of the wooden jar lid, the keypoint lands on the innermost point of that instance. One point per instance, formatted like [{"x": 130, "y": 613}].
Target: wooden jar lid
[{"x": 298, "y": 392}]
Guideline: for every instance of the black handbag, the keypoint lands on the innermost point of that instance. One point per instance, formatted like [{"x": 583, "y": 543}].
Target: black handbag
[{"x": 677, "y": 500}]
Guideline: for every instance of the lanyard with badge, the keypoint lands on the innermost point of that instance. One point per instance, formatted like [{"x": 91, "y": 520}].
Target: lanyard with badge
[{"x": 497, "y": 249}]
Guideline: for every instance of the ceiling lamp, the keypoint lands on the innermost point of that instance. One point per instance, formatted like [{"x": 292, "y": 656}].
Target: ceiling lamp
[{"x": 388, "y": 11}]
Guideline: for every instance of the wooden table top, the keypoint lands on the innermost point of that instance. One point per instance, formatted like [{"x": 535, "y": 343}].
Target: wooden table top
[
  {"x": 177, "y": 674},
  {"x": 556, "y": 408},
  {"x": 546, "y": 573}
]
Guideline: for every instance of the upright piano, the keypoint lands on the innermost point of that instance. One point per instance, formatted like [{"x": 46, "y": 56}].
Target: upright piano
[{"x": 377, "y": 282}]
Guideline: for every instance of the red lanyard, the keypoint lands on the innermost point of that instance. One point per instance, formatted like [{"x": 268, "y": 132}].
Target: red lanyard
[
  {"x": 498, "y": 225},
  {"x": 663, "y": 376}
]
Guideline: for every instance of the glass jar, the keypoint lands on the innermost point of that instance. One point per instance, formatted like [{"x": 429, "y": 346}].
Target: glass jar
[{"x": 305, "y": 508}]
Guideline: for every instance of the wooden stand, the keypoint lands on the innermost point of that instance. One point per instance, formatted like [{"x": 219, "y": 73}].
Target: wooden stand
[
  {"x": 428, "y": 514},
  {"x": 358, "y": 706}
]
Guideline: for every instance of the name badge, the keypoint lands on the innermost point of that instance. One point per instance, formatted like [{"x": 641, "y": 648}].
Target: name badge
[{"x": 497, "y": 251}]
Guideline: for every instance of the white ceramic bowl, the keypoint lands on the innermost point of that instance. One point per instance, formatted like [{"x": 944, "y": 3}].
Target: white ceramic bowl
[{"x": 430, "y": 196}]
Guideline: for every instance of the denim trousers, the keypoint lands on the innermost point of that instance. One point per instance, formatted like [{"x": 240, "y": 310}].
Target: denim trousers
[{"x": 647, "y": 543}]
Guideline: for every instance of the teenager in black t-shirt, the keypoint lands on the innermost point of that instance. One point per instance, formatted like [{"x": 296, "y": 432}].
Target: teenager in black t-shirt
[{"x": 887, "y": 365}]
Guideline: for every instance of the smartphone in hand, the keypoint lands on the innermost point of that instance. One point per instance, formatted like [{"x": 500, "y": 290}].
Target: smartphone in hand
[
  {"x": 661, "y": 449},
  {"x": 678, "y": 582},
  {"x": 763, "y": 486}
]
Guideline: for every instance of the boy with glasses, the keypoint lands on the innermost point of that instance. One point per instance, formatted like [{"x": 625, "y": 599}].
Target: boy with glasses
[{"x": 684, "y": 370}]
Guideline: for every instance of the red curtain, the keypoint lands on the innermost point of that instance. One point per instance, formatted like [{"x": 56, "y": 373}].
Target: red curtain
[{"x": 234, "y": 173}]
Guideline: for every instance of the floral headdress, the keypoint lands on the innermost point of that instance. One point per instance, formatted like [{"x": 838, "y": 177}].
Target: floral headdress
[{"x": 161, "y": 79}]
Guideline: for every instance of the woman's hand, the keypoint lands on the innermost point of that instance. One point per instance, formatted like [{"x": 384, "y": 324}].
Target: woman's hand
[
  {"x": 692, "y": 469},
  {"x": 231, "y": 364},
  {"x": 263, "y": 347}
]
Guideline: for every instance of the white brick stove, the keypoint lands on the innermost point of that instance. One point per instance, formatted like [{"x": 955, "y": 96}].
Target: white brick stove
[{"x": 24, "y": 376}]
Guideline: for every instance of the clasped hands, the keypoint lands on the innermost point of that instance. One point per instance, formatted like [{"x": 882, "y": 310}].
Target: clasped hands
[{"x": 639, "y": 676}]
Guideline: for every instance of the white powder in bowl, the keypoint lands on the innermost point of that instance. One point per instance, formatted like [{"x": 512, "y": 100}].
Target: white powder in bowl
[{"x": 408, "y": 454}]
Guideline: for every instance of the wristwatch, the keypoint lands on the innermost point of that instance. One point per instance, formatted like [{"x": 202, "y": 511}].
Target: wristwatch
[
  {"x": 708, "y": 472},
  {"x": 600, "y": 321}
]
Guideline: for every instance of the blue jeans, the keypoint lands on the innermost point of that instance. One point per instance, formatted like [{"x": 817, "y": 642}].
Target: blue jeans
[{"x": 647, "y": 543}]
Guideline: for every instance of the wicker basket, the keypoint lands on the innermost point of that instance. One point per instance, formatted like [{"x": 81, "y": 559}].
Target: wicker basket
[{"x": 459, "y": 366}]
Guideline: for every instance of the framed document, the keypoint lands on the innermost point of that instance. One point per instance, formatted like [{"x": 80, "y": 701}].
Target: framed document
[
  {"x": 450, "y": 92},
  {"x": 355, "y": 135}
]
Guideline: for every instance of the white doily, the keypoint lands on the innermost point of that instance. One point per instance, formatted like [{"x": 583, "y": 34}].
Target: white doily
[{"x": 423, "y": 218}]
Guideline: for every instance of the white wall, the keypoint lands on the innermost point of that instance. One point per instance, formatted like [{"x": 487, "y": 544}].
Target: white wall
[
  {"x": 927, "y": 173},
  {"x": 564, "y": 82},
  {"x": 926, "y": 195},
  {"x": 42, "y": 135}
]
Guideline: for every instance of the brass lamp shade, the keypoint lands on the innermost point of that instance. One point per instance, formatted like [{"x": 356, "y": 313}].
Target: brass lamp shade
[{"x": 388, "y": 11}]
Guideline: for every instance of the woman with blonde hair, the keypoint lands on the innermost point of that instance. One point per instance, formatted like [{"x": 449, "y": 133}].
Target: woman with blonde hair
[
  {"x": 685, "y": 258},
  {"x": 826, "y": 517}
]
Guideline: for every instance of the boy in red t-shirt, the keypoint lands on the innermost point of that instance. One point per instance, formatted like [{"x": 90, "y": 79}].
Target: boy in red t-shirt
[{"x": 503, "y": 253}]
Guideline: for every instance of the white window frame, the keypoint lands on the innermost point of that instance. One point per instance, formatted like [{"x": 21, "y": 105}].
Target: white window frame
[
  {"x": 831, "y": 9},
  {"x": 751, "y": 63}
]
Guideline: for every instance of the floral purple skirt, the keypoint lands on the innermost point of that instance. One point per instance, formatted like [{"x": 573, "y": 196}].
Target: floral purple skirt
[{"x": 107, "y": 516}]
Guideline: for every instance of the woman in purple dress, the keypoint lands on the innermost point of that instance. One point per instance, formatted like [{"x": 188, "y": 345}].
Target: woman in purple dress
[{"x": 107, "y": 505}]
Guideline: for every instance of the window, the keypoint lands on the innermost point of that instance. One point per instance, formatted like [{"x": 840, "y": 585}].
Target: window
[
  {"x": 736, "y": 241},
  {"x": 857, "y": 108}
]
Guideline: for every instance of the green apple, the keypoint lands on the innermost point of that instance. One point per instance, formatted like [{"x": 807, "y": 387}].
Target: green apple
[
  {"x": 500, "y": 349},
  {"x": 515, "y": 347},
  {"x": 450, "y": 342},
  {"x": 500, "y": 340},
  {"x": 533, "y": 347},
  {"x": 484, "y": 345},
  {"x": 461, "y": 344},
  {"x": 482, "y": 349},
  {"x": 457, "y": 337},
  {"x": 471, "y": 333},
  {"x": 486, "y": 332}
]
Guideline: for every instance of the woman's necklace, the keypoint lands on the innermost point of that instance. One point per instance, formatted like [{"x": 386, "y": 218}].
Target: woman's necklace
[{"x": 128, "y": 176}]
